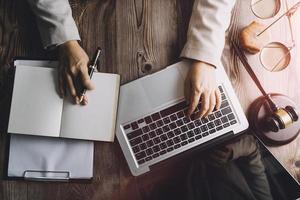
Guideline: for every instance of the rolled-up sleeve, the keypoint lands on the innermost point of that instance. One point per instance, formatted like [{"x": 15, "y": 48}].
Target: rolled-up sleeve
[
  {"x": 55, "y": 21},
  {"x": 206, "y": 34}
]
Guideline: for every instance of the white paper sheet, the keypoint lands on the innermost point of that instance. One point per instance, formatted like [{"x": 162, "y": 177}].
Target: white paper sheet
[
  {"x": 95, "y": 121},
  {"x": 36, "y": 108},
  {"x": 50, "y": 154}
]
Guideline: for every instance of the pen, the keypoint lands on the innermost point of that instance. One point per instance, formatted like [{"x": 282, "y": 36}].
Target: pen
[{"x": 91, "y": 71}]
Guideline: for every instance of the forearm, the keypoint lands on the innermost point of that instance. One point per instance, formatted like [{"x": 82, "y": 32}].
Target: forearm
[
  {"x": 206, "y": 34},
  {"x": 55, "y": 21}
]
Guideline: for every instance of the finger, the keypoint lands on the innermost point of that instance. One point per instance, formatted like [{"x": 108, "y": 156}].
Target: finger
[
  {"x": 194, "y": 100},
  {"x": 85, "y": 78},
  {"x": 71, "y": 87},
  {"x": 85, "y": 100},
  {"x": 204, "y": 104},
  {"x": 212, "y": 104},
  {"x": 218, "y": 99}
]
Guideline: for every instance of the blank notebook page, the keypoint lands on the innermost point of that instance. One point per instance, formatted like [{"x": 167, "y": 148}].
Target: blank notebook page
[
  {"x": 95, "y": 121},
  {"x": 36, "y": 108}
]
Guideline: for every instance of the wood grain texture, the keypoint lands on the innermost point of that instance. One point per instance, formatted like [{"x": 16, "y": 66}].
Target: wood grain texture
[{"x": 138, "y": 37}]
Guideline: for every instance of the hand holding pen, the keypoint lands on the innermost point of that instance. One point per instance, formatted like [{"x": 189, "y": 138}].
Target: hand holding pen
[{"x": 91, "y": 70}]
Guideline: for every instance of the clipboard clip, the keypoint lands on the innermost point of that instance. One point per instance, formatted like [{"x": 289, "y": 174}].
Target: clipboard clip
[{"x": 36, "y": 175}]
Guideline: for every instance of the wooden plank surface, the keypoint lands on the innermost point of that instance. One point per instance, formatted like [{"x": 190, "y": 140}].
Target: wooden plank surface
[{"x": 138, "y": 37}]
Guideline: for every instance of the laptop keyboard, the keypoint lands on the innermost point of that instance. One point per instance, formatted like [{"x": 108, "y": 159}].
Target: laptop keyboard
[{"x": 169, "y": 129}]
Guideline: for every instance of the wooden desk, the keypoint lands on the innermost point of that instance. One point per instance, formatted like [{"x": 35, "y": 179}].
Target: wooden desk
[{"x": 135, "y": 35}]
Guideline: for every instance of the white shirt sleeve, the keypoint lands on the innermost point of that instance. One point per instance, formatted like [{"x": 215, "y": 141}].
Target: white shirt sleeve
[
  {"x": 206, "y": 34},
  {"x": 55, "y": 21}
]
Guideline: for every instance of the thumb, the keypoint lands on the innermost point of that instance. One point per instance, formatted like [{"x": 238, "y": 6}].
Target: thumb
[{"x": 86, "y": 81}]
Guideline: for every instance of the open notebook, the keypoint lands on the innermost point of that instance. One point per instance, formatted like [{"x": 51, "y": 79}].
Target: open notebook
[{"x": 36, "y": 108}]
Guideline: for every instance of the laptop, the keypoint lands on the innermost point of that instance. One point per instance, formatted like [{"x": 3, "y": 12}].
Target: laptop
[{"x": 152, "y": 125}]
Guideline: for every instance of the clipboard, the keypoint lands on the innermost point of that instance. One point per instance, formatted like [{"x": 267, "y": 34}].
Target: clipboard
[{"x": 38, "y": 158}]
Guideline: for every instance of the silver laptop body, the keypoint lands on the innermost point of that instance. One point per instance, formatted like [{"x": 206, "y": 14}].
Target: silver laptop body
[{"x": 148, "y": 133}]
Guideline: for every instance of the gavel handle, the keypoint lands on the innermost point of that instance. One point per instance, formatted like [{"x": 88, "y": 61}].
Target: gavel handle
[{"x": 248, "y": 68}]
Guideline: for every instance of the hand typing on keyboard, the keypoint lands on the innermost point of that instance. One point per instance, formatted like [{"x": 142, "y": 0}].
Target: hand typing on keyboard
[{"x": 200, "y": 85}]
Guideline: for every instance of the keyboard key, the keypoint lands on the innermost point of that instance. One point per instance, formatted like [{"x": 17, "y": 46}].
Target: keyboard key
[
  {"x": 176, "y": 146},
  {"x": 233, "y": 122},
  {"x": 198, "y": 137},
  {"x": 219, "y": 128},
  {"x": 152, "y": 134},
  {"x": 170, "y": 143},
  {"x": 155, "y": 116},
  {"x": 217, "y": 122},
  {"x": 173, "y": 109},
  {"x": 163, "y": 145},
  {"x": 170, "y": 134},
  {"x": 211, "y": 117},
  {"x": 190, "y": 134},
  {"x": 203, "y": 128},
  {"x": 176, "y": 140},
  {"x": 159, "y": 123},
  {"x": 226, "y": 125},
  {"x": 148, "y": 120},
  {"x": 166, "y": 120},
  {"x": 224, "y": 104},
  {"x": 197, "y": 122},
  {"x": 179, "y": 122},
  {"x": 223, "y": 97},
  {"x": 141, "y": 161},
  {"x": 220, "y": 88},
  {"x": 156, "y": 148},
  {"x": 155, "y": 155},
  {"x": 163, "y": 137},
  {"x": 148, "y": 158},
  {"x": 140, "y": 121},
  {"x": 191, "y": 140},
  {"x": 166, "y": 128},
  {"x": 205, "y": 134},
  {"x": 159, "y": 131},
  {"x": 149, "y": 143},
  {"x": 230, "y": 116},
  {"x": 156, "y": 140},
  {"x": 126, "y": 126},
  {"x": 134, "y": 134},
  {"x": 197, "y": 131},
  {"x": 186, "y": 120},
  {"x": 218, "y": 114},
  {"x": 183, "y": 137},
  {"x": 172, "y": 125},
  {"x": 140, "y": 155},
  {"x": 226, "y": 110},
  {"x": 143, "y": 146},
  {"x": 135, "y": 149},
  {"x": 162, "y": 152},
  {"x": 191, "y": 125},
  {"x": 135, "y": 141},
  {"x": 184, "y": 128},
  {"x": 170, "y": 149},
  {"x": 210, "y": 125},
  {"x": 177, "y": 131},
  {"x": 184, "y": 143},
  {"x": 212, "y": 131},
  {"x": 224, "y": 119},
  {"x": 173, "y": 117},
  {"x": 146, "y": 129},
  {"x": 204, "y": 120},
  {"x": 180, "y": 114},
  {"x": 152, "y": 126},
  {"x": 134, "y": 125}
]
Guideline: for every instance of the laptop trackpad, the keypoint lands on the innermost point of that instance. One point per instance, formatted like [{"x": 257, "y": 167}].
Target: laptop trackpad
[{"x": 164, "y": 86}]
